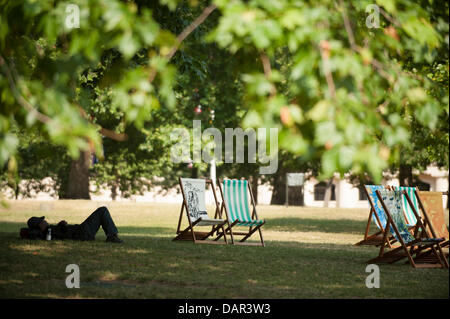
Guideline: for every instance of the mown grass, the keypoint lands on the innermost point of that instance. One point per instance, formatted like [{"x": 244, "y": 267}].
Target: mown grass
[{"x": 309, "y": 254}]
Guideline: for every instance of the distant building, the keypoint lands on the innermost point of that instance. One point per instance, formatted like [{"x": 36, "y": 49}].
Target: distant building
[
  {"x": 346, "y": 195},
  {"x": 343, "y": 193}
]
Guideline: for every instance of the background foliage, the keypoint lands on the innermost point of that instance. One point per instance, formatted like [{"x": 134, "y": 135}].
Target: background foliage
[{"x": 345, "y": 97}]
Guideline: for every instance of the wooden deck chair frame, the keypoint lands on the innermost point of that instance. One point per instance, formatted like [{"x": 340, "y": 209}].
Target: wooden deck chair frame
[
  {"x": 377, "y": 238},
  {"x": 231, "y": 224},
  {"x": 189, "y": 233},
  {"x": 428, "y": 223},
  {"x": 408, "y": 250}
]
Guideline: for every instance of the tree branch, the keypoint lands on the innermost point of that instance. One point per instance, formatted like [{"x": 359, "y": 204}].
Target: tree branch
[
  {"x": 184, "y": 34},
  {"x": 20, "y": 99},
  {"x": 107, "y": 133},
  {"x": 113, "y": 135},
  {"x": 45, "y": 119},
  {"x": 348, "y": 27},
  {"x": 351, "y": 39},
  {"x": 324, "y": 47},
  {"x": 120, "y": 137},
  {"x": 389, "y": 18},
  {"x": 268, "y": 71}
]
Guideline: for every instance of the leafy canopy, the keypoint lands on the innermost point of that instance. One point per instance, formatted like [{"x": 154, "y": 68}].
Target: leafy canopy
[{"x": 340, "y": 93}]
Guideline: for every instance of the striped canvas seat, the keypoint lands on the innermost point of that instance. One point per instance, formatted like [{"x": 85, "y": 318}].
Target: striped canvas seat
[
  {"x": 411, "y": 219},
  {"x": 237, "y": 203}
]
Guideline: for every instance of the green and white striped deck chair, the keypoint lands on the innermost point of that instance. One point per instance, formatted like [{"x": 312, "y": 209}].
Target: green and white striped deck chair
[
  {"x": 193, "y": 191},
  {"x": 411, "y": 245},
  {"x": 411, "y": 219},
  {"x": 236, "y": 204}
]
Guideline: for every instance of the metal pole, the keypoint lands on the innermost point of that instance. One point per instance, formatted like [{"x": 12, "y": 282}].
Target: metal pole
[
  {"x": 212, "y": 171},
  {"x": 287, "y": 191},
  {"x": 213, "y": 161}
]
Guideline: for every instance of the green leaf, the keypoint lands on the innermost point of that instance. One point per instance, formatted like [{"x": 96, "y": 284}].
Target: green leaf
[
  {"x": 320, "y": 111},
  {"x": 428, "y": 115}
]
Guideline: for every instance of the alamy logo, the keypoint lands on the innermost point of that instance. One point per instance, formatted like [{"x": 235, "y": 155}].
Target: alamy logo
[
  {"x": 72, "y": 16},
  {"x": 73, "y": 280},
  {"x": 256, "y": 146},
  {"x": 373, "y": 19},
  {"x": 373, "y": 279}
]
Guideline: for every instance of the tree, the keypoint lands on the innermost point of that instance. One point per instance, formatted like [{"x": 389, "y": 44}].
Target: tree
[
  {"x": 337, "y": 83},
  {"x": 42, "y": 61},
  {"x": 429, "y": 143},
  {"x": 349, "y": 82},
  {"x": 40, "y": 167}
]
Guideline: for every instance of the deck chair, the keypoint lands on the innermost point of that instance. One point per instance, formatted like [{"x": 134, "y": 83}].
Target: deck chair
[
  {"x": 407, "y": 208},
  {"x": 432, "y": 208},
  {"x": 378, "y": 217},
  {"x": 193, "y": 191},
  {"x": 236, "y": 205},
  {"x": 411, "y": 245}
]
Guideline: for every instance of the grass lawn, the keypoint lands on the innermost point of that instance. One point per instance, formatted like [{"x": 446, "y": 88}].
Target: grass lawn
[{"x": 309, "y": 254}]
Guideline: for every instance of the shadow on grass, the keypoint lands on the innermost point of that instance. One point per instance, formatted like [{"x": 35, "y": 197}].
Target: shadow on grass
[
  {"x": 148, "y": 231},
  {"x": 292, "y": 224},
  {"x": 14, "y": 227},
  {"x": 149, "y": 265},
  {"x": 289, "y": 224}
]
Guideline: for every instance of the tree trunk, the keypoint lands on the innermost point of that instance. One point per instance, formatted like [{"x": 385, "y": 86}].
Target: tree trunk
[
  {"x": 279, "y": 191},
  {"x": 302, "y": 195},
  {"x": 254, "y": 186},
  {"x": 16, "y": 191},
  {"x": 78, "y": 183},
  {"x": 114, "y": 192},
  {"x": 327, "y": 198},
  {"x": 405, "y": 175},
  {"x": 194, "y": 172}
]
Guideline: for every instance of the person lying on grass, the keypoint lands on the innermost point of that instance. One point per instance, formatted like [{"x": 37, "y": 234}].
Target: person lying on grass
[{"x": 38, "y": 228}]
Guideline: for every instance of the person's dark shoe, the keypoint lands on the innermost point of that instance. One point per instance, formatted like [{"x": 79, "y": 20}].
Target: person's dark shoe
[{"x": 114, "y": 239}]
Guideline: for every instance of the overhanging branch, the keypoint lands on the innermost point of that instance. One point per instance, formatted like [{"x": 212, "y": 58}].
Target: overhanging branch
[{"x": 184, "y": 34}]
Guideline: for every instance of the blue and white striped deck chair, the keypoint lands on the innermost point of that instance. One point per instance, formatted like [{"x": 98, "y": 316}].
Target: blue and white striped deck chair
[
  {"x": 236, "y": 204},
  {"x": 410, "y": 245},
  {"x": 376, "y": 215},
  {"x": 411, "y": 219}
]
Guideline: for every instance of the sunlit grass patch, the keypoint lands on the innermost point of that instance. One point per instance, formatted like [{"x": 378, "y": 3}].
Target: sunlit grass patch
[{"x": 309, "y": 254}]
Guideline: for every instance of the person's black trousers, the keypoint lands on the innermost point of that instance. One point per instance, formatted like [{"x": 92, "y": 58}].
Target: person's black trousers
[{"x": 100, "y": 217}]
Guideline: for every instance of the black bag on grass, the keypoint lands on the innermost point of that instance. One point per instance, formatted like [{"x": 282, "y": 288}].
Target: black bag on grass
[{"x": 27, "y": 233}]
